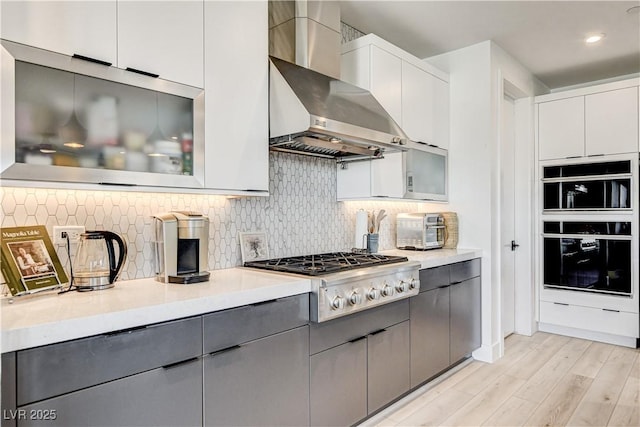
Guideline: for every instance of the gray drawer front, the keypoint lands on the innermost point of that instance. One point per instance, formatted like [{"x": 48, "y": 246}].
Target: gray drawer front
[
  {"x": 243, "y": 324},
  {"x": 465, "y": 270},
  {"x": 160, "y": 397},
  {"x": 432, "y": 278},
  {"x": 56, "y": 369},
  {"x": 337, "y": 331}
]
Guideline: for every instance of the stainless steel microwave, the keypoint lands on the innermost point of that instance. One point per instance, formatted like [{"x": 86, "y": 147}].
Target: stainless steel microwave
[{"x": 425, "y": 170}]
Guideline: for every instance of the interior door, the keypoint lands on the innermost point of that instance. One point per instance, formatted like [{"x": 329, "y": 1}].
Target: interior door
[{"x": 507, "y": 215}]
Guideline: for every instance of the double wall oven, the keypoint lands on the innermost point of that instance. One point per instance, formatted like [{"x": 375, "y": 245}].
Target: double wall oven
[{"x": 589, "y": 228}]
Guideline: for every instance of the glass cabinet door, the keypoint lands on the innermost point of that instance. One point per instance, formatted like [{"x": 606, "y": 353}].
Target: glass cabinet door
[{"x": 109, "y": 126}]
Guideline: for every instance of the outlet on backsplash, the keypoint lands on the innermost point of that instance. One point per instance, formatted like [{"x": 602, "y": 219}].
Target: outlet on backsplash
[{"x": 61, "y": 231}]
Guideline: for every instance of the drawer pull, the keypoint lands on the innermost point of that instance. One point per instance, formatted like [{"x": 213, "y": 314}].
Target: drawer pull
[
  {"x": 612, "y": 311},
  {"x": 357, "y": 339},
  {"x": 255, "y": 304},
  {"x": 224, "y": 350},
  {"x": 94, "y": 60},
  {"x": 144, "y": 73},
  {"x": 378, "y": 332},
  {"x": 457, "y": 283},
  {"x": 176, "y": 364},
  {"x": 124, "y": 331},
  {"x": 445, "y": 286},
  {"x": 561, "y": 303}
]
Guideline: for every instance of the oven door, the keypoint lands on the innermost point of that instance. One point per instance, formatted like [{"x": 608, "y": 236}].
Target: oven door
[{"x": 588, "y": 256}]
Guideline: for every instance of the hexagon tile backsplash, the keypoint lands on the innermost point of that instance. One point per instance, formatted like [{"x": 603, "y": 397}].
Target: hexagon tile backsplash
[{"x": 301, "y": 215}]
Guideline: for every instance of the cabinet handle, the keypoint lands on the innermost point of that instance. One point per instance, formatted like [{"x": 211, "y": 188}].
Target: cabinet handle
[
  {"x": 176, "y": 364},
  {"x": 573, "y": 157},
  {"x": 255, "y": 304},
  {"x": 561, "y": 303},
  {"x": 595, "y": 155},
  {"x": 378, "y": 332},
  {"x": 446, "y": 286},
  {"x": 144, "y": 73},
  {"x": 612, "y": 311},
  {"x": 358, "y": 339},
  {"x": 89, "y": 59},
  {"x": 124, "y": 331},
  {"x": 457, "y": 282},
  {"x": 119, "y": 184},
  {"x": 224, "y": 350}
]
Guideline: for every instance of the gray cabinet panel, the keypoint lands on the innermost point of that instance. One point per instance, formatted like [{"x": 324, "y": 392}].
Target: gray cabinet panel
[
  {"x": 239, "y": 325},
  {"x": 388, "y": 365},
  {"x": 263, "y": 382},
  {"x": 429, "y": 334},
  {"x": 466, "y": 333},
  {"x": 56, "y": 369},
  {"x": 461, "y": 271},
  {"x": 8, "y": 389},
  {"x": 432, "y": 278},
  {"x": 337, "y": 331},
  {"x": 160, "y": 397},
  {"x": 339, "y": 385}
]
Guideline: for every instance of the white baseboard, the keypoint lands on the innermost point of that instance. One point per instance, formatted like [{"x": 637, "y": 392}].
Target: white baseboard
[
  {"x": 488, "y": 353},
  {"x": 588, "y": 335}
]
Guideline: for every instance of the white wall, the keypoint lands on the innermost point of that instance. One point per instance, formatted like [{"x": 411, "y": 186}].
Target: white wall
[{"x": 477, "y": 76}]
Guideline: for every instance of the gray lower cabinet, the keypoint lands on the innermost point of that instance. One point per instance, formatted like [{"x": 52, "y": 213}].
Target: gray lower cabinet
[
  {"x": 262, "y": 382},
  {"x": 466, "y": 334},
  {"x": 359, "y": 363},
  {"x": 168, "y": 396},
  {"x": 429, "y": 334},
  {"x": 339, "y": 384},
  {"x": 388, "y": 365},
  {"x": 256, "y": 364}
]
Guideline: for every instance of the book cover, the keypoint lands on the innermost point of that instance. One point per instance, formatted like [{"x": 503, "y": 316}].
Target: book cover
[{"x": 28, "y": 260}]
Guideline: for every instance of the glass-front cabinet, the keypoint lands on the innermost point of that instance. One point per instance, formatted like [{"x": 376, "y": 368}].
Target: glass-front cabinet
[{"x": 69, "y": 120}]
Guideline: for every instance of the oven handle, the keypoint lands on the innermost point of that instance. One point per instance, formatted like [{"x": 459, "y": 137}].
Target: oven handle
[
  {"x": 587, "y": 178},
  {"x": 587, "y": 236}
]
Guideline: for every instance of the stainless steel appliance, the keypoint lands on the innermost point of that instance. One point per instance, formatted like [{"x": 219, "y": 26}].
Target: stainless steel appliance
[
  {"x": 595, "y": 186},
  {"x": 95, "y": 265},
  {"x": 345, "y": 283},
  {"x": 592, "y": 256},
  {"x": 420, "y": 231},
  {"x": 181, "y": 247}
]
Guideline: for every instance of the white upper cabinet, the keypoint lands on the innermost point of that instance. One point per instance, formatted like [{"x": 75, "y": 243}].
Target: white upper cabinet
[
  {"x": 371, "y": 180},
  {"x": 237, "y": 88},
  {"x": 386, "y": 81},
  {"x": 415, "y": 94},
  {"x": 86, "y": 28},
  {"x": 164, "y": 38},
  {"x": 561, "y": 128},
  {"x": 611, "y": 120},
  {"x": 594, "y": 121}
]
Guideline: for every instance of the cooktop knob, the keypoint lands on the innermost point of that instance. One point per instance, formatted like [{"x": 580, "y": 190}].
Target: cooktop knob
[
  {"x": 355, "y": 298},
  {"x": 402, "y": 286},
  {"x": 413, "y": 283},
  {"x": 373, "y": 294},
  {"x": 337, "y": 303},
  {"x": 387, "y": 291}
]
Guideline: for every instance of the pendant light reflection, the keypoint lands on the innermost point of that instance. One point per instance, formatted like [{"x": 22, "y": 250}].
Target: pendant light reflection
[{"x": 72, "y": 133}]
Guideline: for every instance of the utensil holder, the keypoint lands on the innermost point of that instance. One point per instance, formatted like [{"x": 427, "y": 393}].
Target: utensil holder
[{"x": 372, "y": 242}]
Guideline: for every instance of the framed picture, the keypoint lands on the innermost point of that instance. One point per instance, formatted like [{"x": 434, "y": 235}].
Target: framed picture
[{"x": 253, "y": 246}]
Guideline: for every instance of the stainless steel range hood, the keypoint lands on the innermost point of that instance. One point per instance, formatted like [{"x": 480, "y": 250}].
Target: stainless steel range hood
[{"x": 311, "y": 112}]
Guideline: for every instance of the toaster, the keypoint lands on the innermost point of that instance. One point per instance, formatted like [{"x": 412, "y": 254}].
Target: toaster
[{"x": 420, "y": 231}]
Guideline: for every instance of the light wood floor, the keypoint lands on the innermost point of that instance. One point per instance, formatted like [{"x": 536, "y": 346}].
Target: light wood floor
[{"x": 543, "y": 380}]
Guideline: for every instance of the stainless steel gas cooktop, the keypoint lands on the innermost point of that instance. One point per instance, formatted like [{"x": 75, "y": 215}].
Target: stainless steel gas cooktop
[{"x": 345, "y": 282}]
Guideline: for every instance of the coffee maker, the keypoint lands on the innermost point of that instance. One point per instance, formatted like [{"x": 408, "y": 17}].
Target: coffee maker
[{"x": 181, "y": 247}]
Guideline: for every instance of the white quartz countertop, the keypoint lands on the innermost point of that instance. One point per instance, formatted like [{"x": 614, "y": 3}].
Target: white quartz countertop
[
  {"x": 42, "y": 319},
  {"x": 437, "y": 257}
]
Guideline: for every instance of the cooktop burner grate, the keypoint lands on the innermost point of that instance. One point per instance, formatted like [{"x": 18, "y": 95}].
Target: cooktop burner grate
[{"x": 315, "y": 265}]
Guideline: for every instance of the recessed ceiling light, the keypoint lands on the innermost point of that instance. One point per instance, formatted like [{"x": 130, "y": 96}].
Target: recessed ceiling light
[{"x": 595, "y": 38}]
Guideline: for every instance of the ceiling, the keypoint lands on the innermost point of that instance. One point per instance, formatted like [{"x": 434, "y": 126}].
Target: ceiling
[{"x": 547, "y": 37}]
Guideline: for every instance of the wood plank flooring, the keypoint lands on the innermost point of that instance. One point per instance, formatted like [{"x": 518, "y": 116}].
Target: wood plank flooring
[{"x": 542, "y": 380}]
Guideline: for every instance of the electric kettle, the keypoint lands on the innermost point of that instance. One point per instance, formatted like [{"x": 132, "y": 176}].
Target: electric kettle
[{"x": 95, "y": 264}]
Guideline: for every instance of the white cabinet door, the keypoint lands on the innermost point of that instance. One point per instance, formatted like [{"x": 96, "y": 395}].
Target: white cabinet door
[
  {"x": 237, "y": 90},
  {"x": 85, "y": 28},
  {"x": 386, "y": 176},
  {"x": 612, "y": 122},
  {"x": 441, "y": 111},
  {"x": 418, "y": 98},
  {"x": 386, "y": 81},
  {"x": 163, "y": 38},
  {"x": 355, "y": 67},
  {"x": 561, "y": 128}
]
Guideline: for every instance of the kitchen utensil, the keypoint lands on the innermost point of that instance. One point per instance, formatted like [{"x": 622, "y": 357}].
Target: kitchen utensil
[
  {"x": 381, "y": 216},
  {"x": 95, "y": 265}
]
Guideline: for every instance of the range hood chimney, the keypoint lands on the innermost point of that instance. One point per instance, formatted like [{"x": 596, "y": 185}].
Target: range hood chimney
[{"x": 311, "y": 111}]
